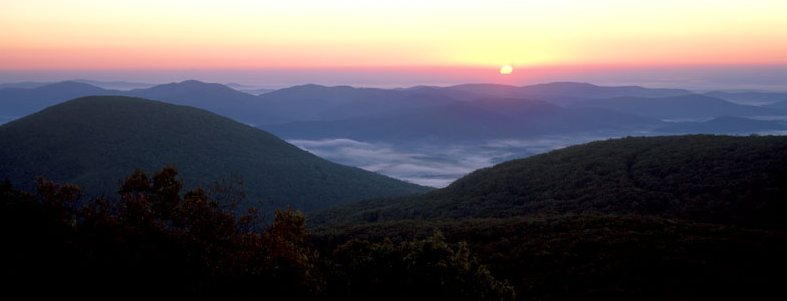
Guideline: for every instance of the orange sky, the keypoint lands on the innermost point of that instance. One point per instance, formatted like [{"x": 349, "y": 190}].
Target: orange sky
[{"x": 248, "y": 34}]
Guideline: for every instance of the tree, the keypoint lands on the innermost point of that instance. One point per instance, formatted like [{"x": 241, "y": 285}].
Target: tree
[
  {"x": 428, "y": 269},
  {"x": 289, "y": 260}
]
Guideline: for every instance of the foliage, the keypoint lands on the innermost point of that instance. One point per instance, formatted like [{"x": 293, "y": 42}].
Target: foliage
[
  {"x": 693, "y": 217},
  {"x": 717, "y": 179},
  {"x": 689, "y": 217},
  {"x": 155, "y": 241},
  {"x": 427, "y": 269},
  {"x": 598, "y": 257}
]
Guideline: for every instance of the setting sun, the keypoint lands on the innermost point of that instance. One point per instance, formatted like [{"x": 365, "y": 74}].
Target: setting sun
[{"x": 506, "y": 70}]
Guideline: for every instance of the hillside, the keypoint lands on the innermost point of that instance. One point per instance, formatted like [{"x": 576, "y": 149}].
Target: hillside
[
  {"x": 782, "y": 105},
  {"x": 724, "y": 125},
  {"x": 679, "y": 107},
  {"x": 659, "y": 218},
  {"x": 750, "y": 98},
  {"x": 719, "y": 179},
  {"x": 566, "y": 89},
  {"x": 483, "y": 119},
  {"x": 216, "y": 98},
  {"x": 321, "y": 103},
  {"x": 20, "y": 101},
  {"x": 602, "y": 257},
  {"x": 96, "y": 141}
]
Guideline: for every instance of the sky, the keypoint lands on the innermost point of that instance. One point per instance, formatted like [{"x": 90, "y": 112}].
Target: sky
[{"x": 386, "y": 42}]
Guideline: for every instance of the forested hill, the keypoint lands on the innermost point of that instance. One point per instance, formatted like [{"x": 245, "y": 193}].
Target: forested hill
[
  {"x": 720, "y": 179},
  {"x": 95, "y": 142}
]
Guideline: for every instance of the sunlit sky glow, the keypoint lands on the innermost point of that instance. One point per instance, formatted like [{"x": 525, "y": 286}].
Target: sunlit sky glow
[{"x": 336, "y": 34}]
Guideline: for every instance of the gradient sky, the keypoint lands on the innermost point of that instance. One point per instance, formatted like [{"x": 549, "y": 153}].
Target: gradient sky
[{"x": 414, "y": 35}]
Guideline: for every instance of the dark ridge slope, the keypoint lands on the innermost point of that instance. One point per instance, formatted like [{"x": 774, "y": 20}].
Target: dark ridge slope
[
  {"x": 95, "y": 141},
  {"x": 720, "y": 179}
]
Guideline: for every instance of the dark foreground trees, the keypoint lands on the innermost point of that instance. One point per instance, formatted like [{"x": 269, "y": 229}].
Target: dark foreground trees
[
  {"x": 429, "y": 268},
  {"x": 155, "y": 241}
]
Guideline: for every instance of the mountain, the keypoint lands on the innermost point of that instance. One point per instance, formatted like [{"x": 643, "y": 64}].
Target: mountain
[
  {"x": 492, "y": 118},
  {"x": 321, "y": 103},
  {"x": 563, "y": 93},
  {"x": 679, "y": 107},
  {"x": 24, "y": 85},
  {"x": 725, "y": 125},
  {"x": 537, "y": 115},
  {"x": 216, "y": 98},
  {"x": 585, "y": 90},
  {"x": 18, "y": 102},
  {"x": 749, "y": 98},
  {"x": 719, "y": 179},
  {"x": 110, "y": 85},
  {"x": 116, "y": 85},
  {"x": 96, "y": 141},
  {"x": 312, "y": 108},
  {"x": 782, "y": 105},
  {"x": 669, "y": 218},
  {"x": 567, "y": 89},
  {"x": 474, "y": 91}
]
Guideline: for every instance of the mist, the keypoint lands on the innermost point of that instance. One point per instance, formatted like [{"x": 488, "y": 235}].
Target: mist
[{"x": 433, "y": 165}]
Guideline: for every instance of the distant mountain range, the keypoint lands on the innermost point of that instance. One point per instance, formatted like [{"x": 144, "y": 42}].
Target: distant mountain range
[
  {"x": 19, "y": 102},
  {"x": 691, "y": 106},
  {"x": 782, "y": 105},
  {"x": 96, "y": 141},
  {"x": 568, "y": 89},
  {"x": 750, "y": 98},
  {"x": 117, "y": 85},
  {"x": 671, "y": 217},
  {"x": 724, "y": 125},
  {"x": 468, "y": 121},
  {"x": 313, "y": 111},
  {"x": 216, "y": 98}
]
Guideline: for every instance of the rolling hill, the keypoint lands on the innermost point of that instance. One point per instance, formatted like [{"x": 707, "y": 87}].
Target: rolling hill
[
  {"x": 719, "y": 179},
  {"x": 321, "y": 103},
  {"x": 342, "y": 111},
  {"x": 679, "y": 107},
  {"x": 490, "y": 118},
  {"x": 724, "y": 125},
  {"x": 567, "y": 89},
  {"x": 561, "y": 93},
  {"x": 782, "y": 105},
  {"x": 750, "y": 98},
  {"x": 96, "y": 141},
  {"x": 21, "y": 101},
  {"x": 659, "y": 218},
  {"x": 216, "y": 98}
]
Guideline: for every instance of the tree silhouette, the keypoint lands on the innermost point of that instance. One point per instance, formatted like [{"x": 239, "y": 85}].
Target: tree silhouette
[{"x": 154, "y": 240}]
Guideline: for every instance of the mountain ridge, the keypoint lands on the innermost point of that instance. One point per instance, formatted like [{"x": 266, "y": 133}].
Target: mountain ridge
[
  {"x": 96, "y": 141},
  {"x": 724, "y": 179}
]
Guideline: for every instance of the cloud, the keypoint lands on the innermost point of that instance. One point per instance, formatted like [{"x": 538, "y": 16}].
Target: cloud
[
  {"x": 542, "y": 144},
  {"x": 424, "y": 164},
  {"x": 431, "y": 182},
  {"x": 430, "y": 164},
  {"x": 328, "y": 143}
]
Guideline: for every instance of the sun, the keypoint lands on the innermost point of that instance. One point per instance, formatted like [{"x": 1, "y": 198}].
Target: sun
[{"x": 506, "y": 69}]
